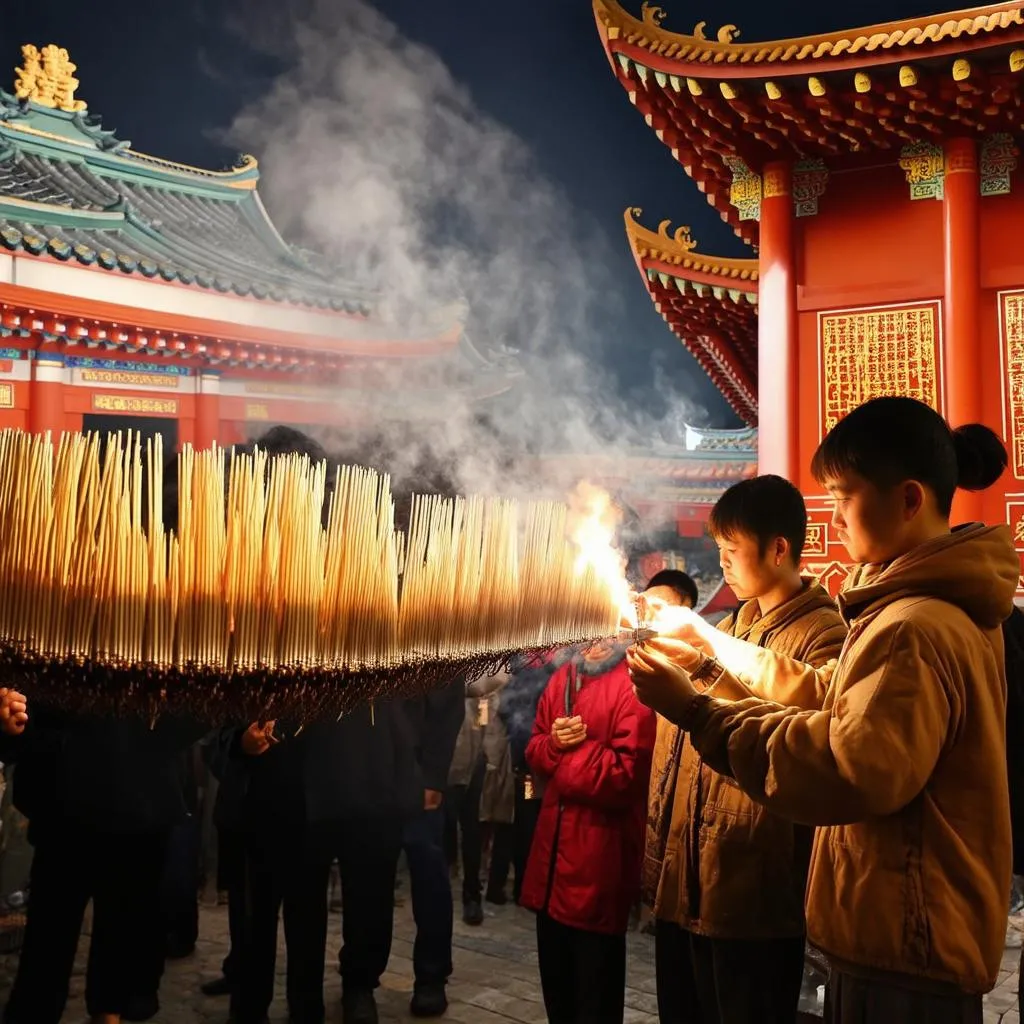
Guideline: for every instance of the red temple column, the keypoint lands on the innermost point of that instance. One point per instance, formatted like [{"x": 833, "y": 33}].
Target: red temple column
[
  {"x": 207, "y": 410},
  {"x": 46, "y": 395},
  {"x": 961, "y": 263},
  {"x": 778, "y": 432}
]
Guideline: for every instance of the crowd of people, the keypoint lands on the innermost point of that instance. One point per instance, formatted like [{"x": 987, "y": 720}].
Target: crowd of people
[{"x": 841, "y": 773}]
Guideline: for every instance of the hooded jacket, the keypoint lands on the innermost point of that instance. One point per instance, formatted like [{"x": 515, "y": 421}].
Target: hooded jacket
[
  {"x": 716, "y": 862},
  {"x": 903, "y": 769}
]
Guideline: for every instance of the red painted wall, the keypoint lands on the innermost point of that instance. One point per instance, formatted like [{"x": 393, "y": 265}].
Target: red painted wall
[{"x": 871, "y": 245}]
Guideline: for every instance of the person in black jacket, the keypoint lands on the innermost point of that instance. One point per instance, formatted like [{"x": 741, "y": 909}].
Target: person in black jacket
[
  {"x": 439, "y": 717},
  {"x": 102, "y": 796},
  {"x": 340, "y": 790},
  {"x": 228, "y": 820}
]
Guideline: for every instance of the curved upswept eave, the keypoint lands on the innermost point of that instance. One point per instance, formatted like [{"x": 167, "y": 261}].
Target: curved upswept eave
[
  {"x": 718, "y": 324},
  {"x": 888, "y": 42}
]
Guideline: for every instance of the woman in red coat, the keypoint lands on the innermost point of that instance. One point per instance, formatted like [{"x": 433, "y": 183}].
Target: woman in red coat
[{"x": 591, "y": 751}]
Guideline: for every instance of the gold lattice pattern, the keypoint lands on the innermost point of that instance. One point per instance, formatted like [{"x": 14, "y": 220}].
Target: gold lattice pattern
[{"x": 865, "y": 355}]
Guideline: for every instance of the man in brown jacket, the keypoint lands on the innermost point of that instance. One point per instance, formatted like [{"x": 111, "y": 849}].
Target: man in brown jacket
[
  {"x": 903, "y": 769},
  {"x": 725, "y": 875}
]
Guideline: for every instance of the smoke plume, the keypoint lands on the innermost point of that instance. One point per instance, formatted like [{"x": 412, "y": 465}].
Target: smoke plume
[{"x": 373, "y": 155}]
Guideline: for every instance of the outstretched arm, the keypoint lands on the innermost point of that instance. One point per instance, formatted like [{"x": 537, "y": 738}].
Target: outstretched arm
[{"x": 869, "y": 751}]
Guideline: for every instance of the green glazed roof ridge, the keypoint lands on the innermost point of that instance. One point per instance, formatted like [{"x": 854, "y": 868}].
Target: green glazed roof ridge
[
  {"x": 37, "y": 241},
  {"x": 132, "y": 212}
]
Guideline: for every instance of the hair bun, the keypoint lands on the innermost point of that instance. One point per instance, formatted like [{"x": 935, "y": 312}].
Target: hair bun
[{"x": 980, "y": 456}]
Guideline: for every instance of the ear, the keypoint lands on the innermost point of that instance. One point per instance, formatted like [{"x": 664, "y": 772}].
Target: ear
[
  {"x": 913, "y": 498},
  {"x": 779, "y": 550}
]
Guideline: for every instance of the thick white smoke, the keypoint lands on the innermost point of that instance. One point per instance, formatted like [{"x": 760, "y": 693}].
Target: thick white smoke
[{"x": 374, "y": 155}]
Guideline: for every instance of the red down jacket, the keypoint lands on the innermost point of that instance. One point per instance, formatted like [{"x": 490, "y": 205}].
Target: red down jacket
[{"x": 585, "y": 861}]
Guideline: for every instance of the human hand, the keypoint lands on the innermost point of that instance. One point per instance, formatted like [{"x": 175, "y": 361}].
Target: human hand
[
  {"x": 13, "y": 711},
  {"x": 568, "y": 733},
  {"x": 683, "y": 653},
  {"x": 432, "y": 799},
  {"x": 660, "y": 683},
  {"x": 258, "y": 739}
]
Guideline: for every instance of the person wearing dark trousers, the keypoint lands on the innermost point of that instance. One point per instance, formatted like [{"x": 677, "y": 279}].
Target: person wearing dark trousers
[
  {"x": 179, "y": 887},
  {"x": 591, "y": 745},
  {"x": 271, "y": 824},
  {"x": 528, "y": 800},
  {"x": 351, "y": 784},
  {"x": 440, "y": 718},
  {"x": 502, "y": 849},
  {"x": 517, "y": 708},
  {"x": 102, "y": 797},
  {"x": 466, "y": 788},
  {"x": 583, "y": 973},
  {"x": 229, "y": 820},
  {"x": 464, "y": 834},
  {"x": 724, "y": 878},
  {"x": 366, "y": 848}
]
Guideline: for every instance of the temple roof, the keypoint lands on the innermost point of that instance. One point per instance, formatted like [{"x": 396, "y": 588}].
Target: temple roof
[
  {"x": 725, "y": 108},
  {"x": 72, "y": 192},
  {"x": 710, "y": 303},
  {"x": 886, "y": 43}
]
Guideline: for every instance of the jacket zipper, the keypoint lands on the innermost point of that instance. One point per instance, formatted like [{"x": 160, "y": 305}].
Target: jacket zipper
[{"x": 571, "y": 688}]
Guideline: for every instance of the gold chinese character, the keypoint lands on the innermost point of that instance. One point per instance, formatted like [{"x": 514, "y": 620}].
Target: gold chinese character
[{"x": 47, "y": 78}]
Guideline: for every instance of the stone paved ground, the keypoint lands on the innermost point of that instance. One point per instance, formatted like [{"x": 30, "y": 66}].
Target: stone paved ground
[{"x": 495, "y": 979}]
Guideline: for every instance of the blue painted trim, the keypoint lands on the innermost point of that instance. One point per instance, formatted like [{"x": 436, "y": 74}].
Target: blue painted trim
[{"x": 92, "y": 363}]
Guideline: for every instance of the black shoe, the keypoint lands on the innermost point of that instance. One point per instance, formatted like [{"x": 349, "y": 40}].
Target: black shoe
[
  {"x": 428, "y": 1001},
  {"x": 358, "y": 1007},
  {"x": 216, "y": 987},
  {"x": 472, "y": 912},
  {"x": 497, "y": 897}
]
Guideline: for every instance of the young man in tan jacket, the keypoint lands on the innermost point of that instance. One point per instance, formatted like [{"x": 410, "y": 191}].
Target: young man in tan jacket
[
  {"x": 726, "y": 876},
  {"x": 903, "y": 769}
]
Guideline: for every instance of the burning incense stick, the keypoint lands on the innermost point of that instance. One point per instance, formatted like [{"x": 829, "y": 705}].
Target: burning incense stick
[{"x": 258, "y": 595}]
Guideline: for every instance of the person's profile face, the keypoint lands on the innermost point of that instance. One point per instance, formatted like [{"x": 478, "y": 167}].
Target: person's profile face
[
  {"x": 749, "y": 572},
  {"x": 868, "y": 522}
]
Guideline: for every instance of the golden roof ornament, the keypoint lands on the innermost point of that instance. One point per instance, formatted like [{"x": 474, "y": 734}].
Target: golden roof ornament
[
  {"x": 652, "y": 14},
  {"x": 46, "y": 77},
  {"x": 681, "y": 236}
]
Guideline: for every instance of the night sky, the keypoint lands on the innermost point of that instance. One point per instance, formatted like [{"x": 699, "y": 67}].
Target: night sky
[{"x": 169, "y": 76}]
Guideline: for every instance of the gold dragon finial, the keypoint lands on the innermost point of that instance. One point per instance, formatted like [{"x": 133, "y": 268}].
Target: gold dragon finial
[
  {"x": 46, "y": 77},
  {"x": 681, "y": 236},
  {"x": 652, "y": 14},
  {"x": 726, "y": 34}
]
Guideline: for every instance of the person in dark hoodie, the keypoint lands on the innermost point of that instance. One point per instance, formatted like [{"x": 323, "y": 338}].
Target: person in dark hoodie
[
  {"x": 102, "y": 796},
  {"x": 336, "y": 790},
  {"x": 438, "y": 716}
]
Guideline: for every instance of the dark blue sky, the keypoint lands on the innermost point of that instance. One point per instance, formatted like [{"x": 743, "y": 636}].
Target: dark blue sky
[{"x": 535, "y": 65}]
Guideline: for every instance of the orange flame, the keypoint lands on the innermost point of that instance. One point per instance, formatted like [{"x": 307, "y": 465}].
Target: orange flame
[{"x": 592, "y": 525}]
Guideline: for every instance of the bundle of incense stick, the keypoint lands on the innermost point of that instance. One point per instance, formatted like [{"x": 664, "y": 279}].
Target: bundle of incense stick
[{"x": 285, "y": 584}]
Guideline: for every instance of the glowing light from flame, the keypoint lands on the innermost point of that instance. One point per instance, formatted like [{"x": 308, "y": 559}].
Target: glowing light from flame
[{"x": 592, "y": 525}]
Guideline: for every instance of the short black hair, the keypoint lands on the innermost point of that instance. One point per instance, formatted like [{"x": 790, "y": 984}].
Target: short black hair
[
  {"x": 889, "y": 440},
  {"x": 764, "y": 507},
  {"x": 279, "y": 440},
  {"x": 678, "y": 581}
]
